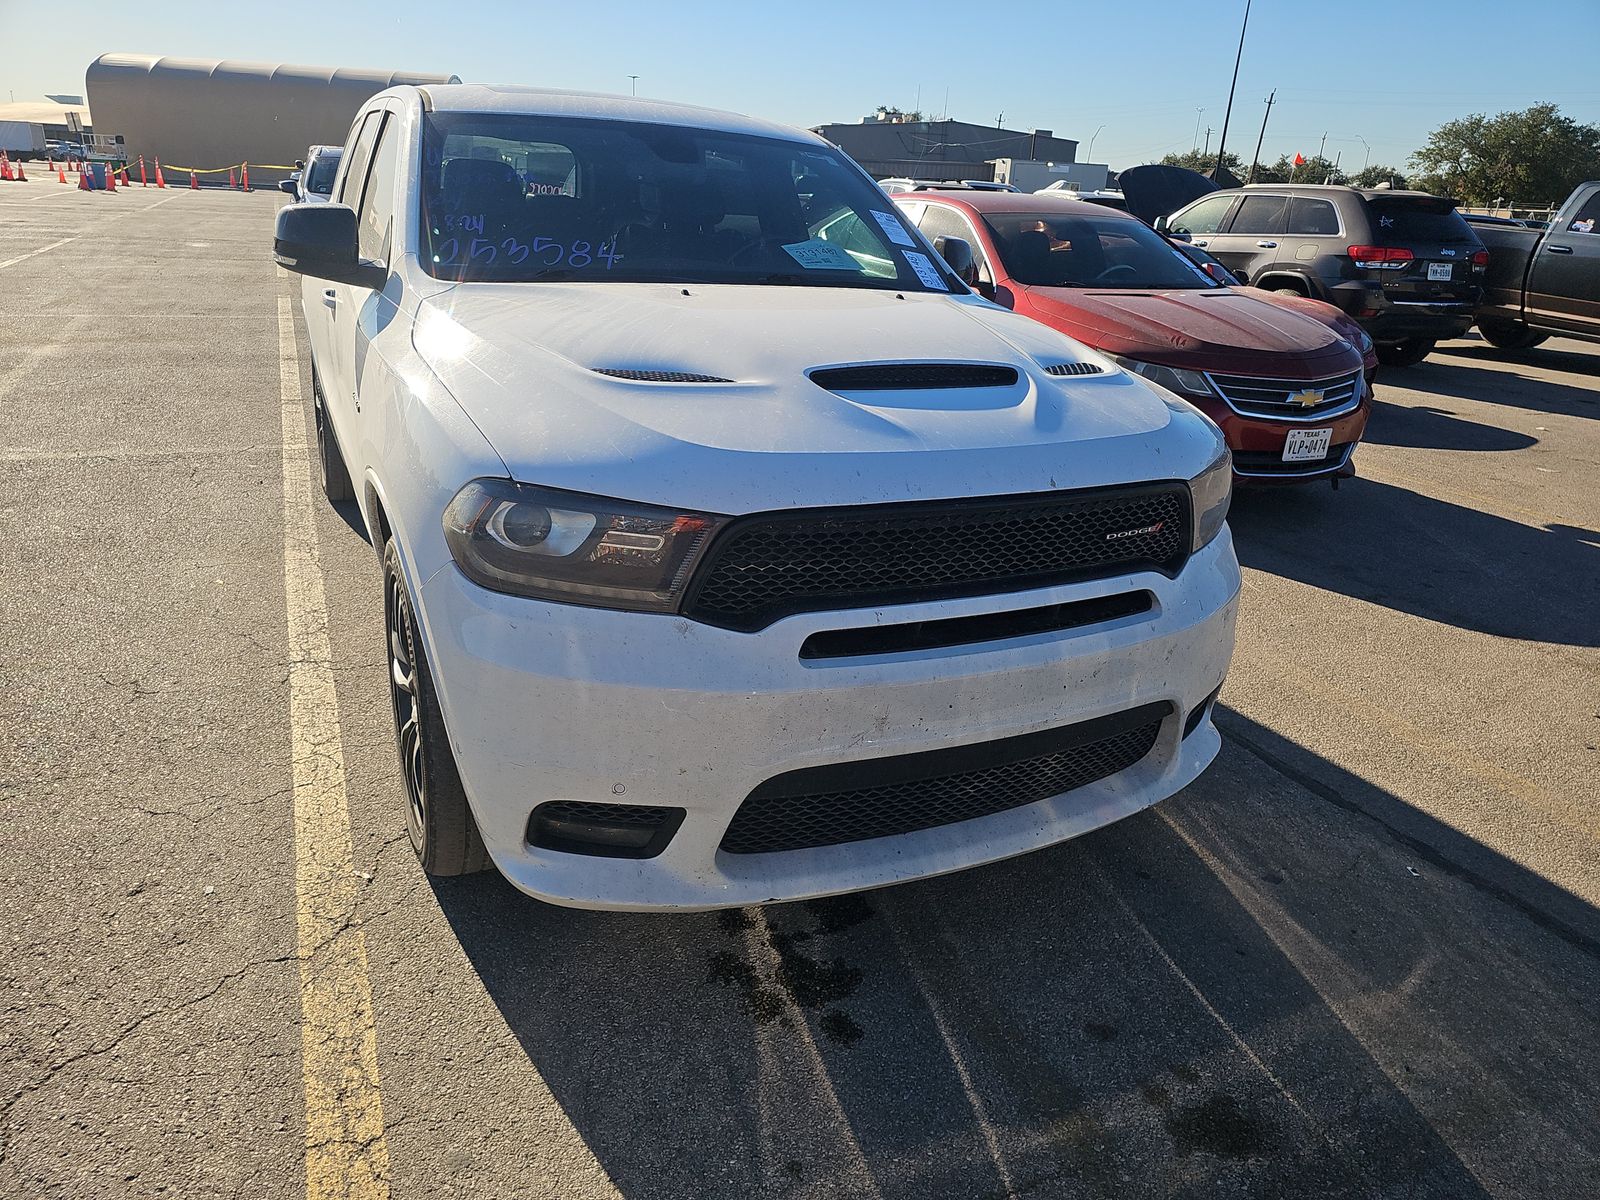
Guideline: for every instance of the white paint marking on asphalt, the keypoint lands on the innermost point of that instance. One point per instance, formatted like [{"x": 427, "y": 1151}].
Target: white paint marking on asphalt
[
  {"x": 11, "y": 262},
  {"x": 980, "y": 1111},
  {"x": 345, "y": 1150},
  {"x": 1211, "y": 1010}
]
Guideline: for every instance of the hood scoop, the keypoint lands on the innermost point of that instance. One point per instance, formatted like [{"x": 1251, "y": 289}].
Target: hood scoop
[
  {"x": 658, "y": 376},
  {"x": 900, "y": 377},
  {"x": 1074, "y": 368}
]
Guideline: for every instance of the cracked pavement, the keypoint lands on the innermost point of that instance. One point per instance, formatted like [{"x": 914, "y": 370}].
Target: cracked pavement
[{"x": 1358, "y": 958}]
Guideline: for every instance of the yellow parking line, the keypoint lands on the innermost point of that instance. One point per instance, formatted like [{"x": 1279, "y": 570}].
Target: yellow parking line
[{"x": 346, "y": 1155}]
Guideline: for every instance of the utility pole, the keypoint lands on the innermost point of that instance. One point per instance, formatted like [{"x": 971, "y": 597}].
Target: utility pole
[
  {"x": 1222, "y": 141},
  {"x": 1324, "y": 144},
  {"x": 635, "y": 80},
  {"x": 1255, "y": 158},
  {"x": 1207, "y": 151},
  {"x": 1196, "y": 145}
]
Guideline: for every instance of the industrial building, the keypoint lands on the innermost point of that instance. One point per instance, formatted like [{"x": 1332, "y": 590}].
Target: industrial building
[
  {"x": 887, "y": 144},
  {"x": 203, "y": 113}
]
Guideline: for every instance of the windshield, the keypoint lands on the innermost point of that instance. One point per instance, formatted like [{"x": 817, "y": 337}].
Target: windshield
[
  {"x": 319, "y": 176},
  {"x": 1400, "y": 221},
  {"x": 510, "y": 197},
  {"x": 1085, "y": 250}
]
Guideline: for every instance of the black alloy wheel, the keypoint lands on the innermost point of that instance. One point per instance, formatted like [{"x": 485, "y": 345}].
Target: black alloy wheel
[{"x": 438, "y": 818}]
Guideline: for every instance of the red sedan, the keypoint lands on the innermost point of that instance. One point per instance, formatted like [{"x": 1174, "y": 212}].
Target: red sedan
[{"x": 1289, "y": 383}]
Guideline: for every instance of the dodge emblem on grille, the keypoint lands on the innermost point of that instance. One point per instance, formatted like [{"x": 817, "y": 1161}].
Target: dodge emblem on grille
[
  {"x": 1306, "y": 397},
  {"x": 1128, "y": 533}
]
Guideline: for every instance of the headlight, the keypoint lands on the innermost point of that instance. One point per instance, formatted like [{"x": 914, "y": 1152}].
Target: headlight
[
  {"x": 1210, "y": 492},
  {"x": 1174, "y": 379},
  {"x": 533, "y": 541},
  {"x": 1363, "y": 341}
]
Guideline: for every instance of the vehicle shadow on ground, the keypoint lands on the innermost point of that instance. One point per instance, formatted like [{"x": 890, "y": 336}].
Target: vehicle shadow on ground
[
  {"x": 1547, "y": 356},
  {"x": 1450, "y": 375},
  {"x": 1421, "y": 427},
  {"x": 1249, "y": 991},
  {"x": 1413, "y": 553}
]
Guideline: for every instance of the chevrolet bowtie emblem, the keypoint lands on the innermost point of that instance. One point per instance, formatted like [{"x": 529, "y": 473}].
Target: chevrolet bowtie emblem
[{"x": 1306, "y": 398}]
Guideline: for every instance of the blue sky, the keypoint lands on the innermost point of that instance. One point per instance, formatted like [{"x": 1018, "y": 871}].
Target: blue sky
[{"x": 1387, "y": 71}]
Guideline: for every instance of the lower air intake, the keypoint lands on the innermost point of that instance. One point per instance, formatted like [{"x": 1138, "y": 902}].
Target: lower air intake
[{"x": 851, "y": 802}]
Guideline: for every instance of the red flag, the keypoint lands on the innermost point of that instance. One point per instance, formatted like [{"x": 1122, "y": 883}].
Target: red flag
[{"x": 1299, "y": 160}]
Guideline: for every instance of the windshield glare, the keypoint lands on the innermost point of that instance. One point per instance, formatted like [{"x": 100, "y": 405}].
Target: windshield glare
[
  {"x": 509, "y": 197},
  {"x": 1084, "y": 250},
  {"x": 1403, "y": 220},
  {"x": 319, "y": 179}
]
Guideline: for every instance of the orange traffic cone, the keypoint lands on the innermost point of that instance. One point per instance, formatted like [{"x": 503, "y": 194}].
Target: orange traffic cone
[
  {"x": 22, "y": 176},
  {"x": 143, "y": 182},
  {"x": 61, "y": 174},
  {"x": 125, "y": 182},
  {"x": 160, "y": 182},
  {"x": 83, "y": 181},
  {"x": 194, "y": 183},
  {"x": 111, "y": 180},
  {"x": 49, "y": 164},
  {"x": 5, "y": 167},
  {"x": 233, "y": 180},
  {"x": 246, "y": 172}
]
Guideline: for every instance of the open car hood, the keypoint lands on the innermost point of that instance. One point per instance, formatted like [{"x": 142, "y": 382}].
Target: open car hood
[{"x": 1157, "y": 190}]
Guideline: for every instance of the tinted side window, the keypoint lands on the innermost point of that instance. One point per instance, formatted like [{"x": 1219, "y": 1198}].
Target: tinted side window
[
  {"x": 376, "y": 214},
  {"x": 1204, "y": 216},
  {"x": 1260, "y": 214},
  {"x": 1310, "y": 217},
  {"x": 1587, "y": 219},
  {"x": 355, "y": 162}
]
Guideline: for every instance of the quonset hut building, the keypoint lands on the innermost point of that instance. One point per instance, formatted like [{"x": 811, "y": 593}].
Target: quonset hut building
[{"x": 204, "y": 113}]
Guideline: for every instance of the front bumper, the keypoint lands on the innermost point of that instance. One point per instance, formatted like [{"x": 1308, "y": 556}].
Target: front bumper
[
  {"x": 555, "y": 702},
  {"x": 1257, "y": 443}
]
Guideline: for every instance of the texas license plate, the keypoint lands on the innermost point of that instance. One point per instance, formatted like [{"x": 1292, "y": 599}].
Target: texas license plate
[
  {"x": 1307, "y": 445},
  {"x": 1440, "y": 271}
]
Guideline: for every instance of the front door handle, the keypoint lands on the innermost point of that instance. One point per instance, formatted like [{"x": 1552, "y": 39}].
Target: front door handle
[
  {"x": 1201, "y": 242},
  {"x": 330, "y": 297},
  {"x": 1268, "y": 245},
  {"x": 1559, "y": 249}
]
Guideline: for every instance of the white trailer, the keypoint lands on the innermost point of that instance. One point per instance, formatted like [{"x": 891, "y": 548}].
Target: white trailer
[{"x": 22, "y": 139}]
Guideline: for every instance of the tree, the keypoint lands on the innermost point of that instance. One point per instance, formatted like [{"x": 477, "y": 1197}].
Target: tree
[
  {"x": 1375, "y": 174},
  {"x": 1196, "y": 160},
  {"x": 1315, "y": 169},
  {"x": 1534, "y": 157}
]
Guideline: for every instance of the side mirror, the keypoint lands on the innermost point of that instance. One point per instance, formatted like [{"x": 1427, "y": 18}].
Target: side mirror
[
  {"x": 1219, "y": 272},
  {"x": 299, "y": 164},
  {"x": 1179, "y": 235},
  {"x": 957, "y": 252},
  {"x": 1161, "y": 225},
  {"x": 320, "y": 240},
  {"x": 288, "y": 185}
]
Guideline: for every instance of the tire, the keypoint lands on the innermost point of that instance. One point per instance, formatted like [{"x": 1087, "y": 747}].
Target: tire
[
  {"x": 1510, "y": 335},
  {"x": 443, "y": 833},
  {"x": 336, "y": 483},
  {"x": 1407, "y": 353},
  {"x": 1287, "y": 290}
]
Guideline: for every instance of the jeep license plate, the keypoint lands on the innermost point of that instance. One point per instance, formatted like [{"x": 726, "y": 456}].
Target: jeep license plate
[
  {"x": 1307, "y": 445},
  {"x": 1439, "y": 272}
]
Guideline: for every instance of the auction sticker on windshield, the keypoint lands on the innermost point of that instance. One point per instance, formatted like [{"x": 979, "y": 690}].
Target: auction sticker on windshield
[
  {"x": 893, "y": 228},
  {"x": 926, "y": 271},
  {"x": 818, "y": 255},
  {"x": 1307, "y": 445}
]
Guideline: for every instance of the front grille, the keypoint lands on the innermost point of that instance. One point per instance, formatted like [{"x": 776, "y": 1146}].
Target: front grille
[
  {"x": 851, "y": 802},
  {"x": 1073, "y": 368},
  {"x": 881, "y": 377},
  {"x": 1270, "y": 462},
  {"x": 775, "y": 564},
  {"x": 1260, "y": 397},
  {"x": 659, "y": 376}
]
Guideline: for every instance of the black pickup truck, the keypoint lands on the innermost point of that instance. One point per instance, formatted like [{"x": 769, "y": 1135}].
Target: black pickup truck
[{"x": 1543, "y": 282}]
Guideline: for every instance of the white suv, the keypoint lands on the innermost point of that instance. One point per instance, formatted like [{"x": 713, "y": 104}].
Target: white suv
[{"x": 734, "y": 550}]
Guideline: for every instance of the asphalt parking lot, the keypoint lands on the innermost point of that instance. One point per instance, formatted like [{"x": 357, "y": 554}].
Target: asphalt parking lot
[{"x": 1358, "y": 958}]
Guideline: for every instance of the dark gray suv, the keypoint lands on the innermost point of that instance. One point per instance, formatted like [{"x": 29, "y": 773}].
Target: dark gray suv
[{"x": 1403, "y": 264}]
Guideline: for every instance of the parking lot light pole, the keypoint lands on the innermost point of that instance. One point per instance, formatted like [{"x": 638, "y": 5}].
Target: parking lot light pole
[{"x": 1222, "y": 141}]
